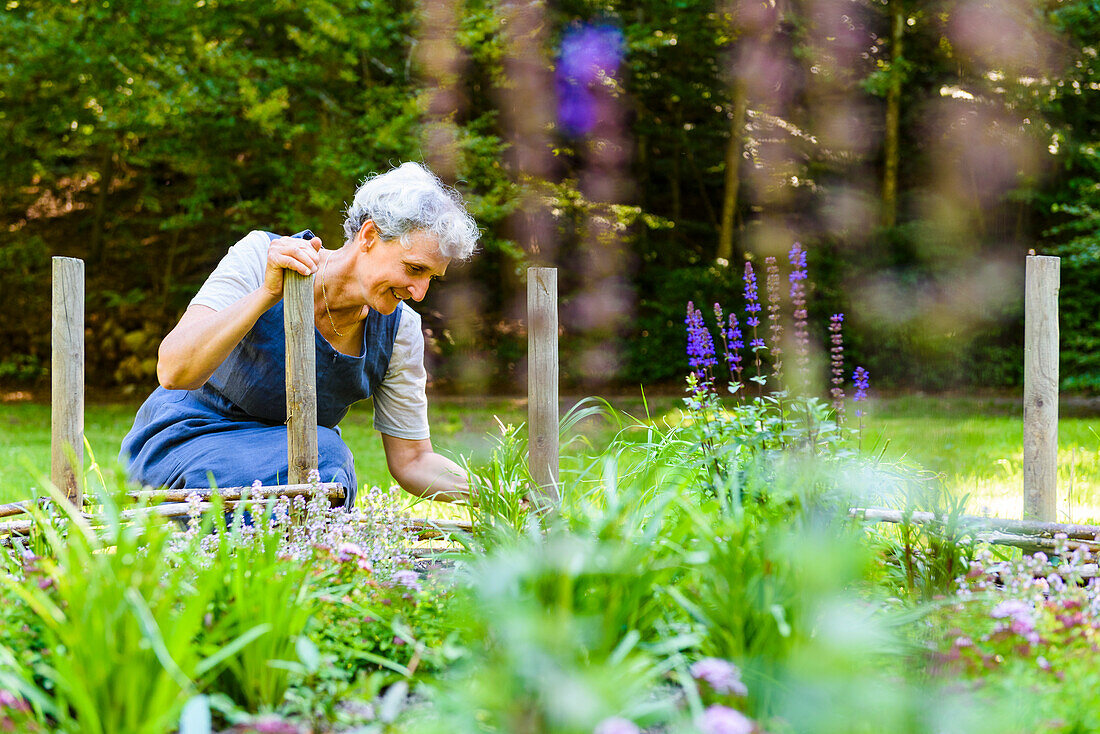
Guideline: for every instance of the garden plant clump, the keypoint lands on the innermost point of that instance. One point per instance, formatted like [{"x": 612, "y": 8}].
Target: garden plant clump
[{"x": 701, "y": 574}]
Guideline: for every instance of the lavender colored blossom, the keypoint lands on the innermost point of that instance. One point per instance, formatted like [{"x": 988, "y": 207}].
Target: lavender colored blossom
[
  {"x": 799, "y": 273},
  {"x": 752, "y": 298},
  {"x": 752, "y": 307},
  {"x": 861, "y": 379},
  {"x": 797, "y": 257},
  {"x": 700, "y": 345},
  {"x": 724, "y": 720},
  {"x": 273, "y": 724},
  {"x": 836, "y": 359},
  {"x": 775, "y": 328},
  {"x": 616, "y": 725},
  {"x": 10, "y": 701},
  {"x": 733, "y": 334},
  {"x": 409, "y": 579},
  {"x": 1019, "y": 616},
  {"x": 588, "y": 54},
  {"x": 1010, "y": 608},
  {"x": 722, "y": 675}
]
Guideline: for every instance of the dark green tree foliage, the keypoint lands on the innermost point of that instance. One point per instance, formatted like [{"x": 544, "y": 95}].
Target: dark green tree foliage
[
  {"x": 1070, "y": 204},
  {"x": 148, "y": 137}
]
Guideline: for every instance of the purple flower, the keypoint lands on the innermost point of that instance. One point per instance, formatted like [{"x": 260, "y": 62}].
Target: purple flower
[
  {"x": 700, "y": 344},
  {"x": 588, "y": 53},
  {"x": 347, "y": 551},
  {"x": 1011, "y": 608},
  {"x": 752, "y": 299},
  {"x": 409, "y": 579},
  {"x": 775, "y": 328},
  {"x": 722, "y": 675},
  {"x": 272, "y": 724},
  {"x": 733, "y": 357},
  {"x": 616, "y": 725},
  {"x": 836, "y": 358},
  {"x": 797, "y": 258},
  {"x": 1020, "y": 618},
  {"x": 9, "y": 700},
  {"x": 724, "y": 720},
  {"x": 861, "y": 379}
]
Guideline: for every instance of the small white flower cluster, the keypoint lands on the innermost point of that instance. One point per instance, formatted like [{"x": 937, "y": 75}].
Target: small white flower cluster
[
  {"x": 376, "y": 536},
  {"x": 1064, "y": 586}
]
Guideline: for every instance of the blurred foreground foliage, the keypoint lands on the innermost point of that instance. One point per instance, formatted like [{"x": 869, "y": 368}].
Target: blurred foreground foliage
[
  {"x": 147, "y": 137},
  {"x": 703, "y": 576}
]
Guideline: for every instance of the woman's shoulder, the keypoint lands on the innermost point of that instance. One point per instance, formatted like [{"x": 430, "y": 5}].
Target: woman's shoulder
[
  {"x": 253, "y": 244},
  {"x": 408, "y": 342},
  {"x": 409, "y": 318},
  {"x": 240, "y": 271}
]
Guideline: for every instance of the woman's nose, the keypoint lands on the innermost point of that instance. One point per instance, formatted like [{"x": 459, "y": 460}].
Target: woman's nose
[{"x": 419, "y": 289}]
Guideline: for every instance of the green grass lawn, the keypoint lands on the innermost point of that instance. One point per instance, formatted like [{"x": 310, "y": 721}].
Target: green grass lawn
[
  {"x": 975, "y": 445},
  {"x": 459, "y": 427}
]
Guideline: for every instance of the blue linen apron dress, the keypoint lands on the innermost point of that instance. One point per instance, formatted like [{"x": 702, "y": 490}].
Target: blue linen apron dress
[{"x": 232, "y": 431}]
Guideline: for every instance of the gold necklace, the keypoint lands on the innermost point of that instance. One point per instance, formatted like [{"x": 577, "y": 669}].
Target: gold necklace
[{"x": 324, "y": 296}]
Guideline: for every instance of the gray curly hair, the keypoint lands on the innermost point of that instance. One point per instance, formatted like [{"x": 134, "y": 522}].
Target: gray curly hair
[{"x": 409, "y": 199}]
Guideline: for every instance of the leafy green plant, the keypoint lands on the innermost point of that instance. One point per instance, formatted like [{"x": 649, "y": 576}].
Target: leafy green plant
[
  {"x": 120, "y": 613},
  {"x": 923, "y": 559},
  {"x": 256, "y": 589}
]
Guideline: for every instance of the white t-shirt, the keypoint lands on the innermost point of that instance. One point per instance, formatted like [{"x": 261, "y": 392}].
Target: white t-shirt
[{"x": 400, "y": 403}]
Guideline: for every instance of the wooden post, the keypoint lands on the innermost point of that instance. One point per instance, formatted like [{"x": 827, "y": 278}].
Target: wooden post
[
  {"x": 67, "y": 378},
  {"x": 542, "y": 378},
  {"x": 301, "y": 376},
  {"x": 1041, "y": 388}
]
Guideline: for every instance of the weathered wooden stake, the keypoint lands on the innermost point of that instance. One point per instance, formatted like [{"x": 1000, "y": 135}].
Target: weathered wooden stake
[
  {"x": 1041, "y": 388},
  {"x": 301, "y": 376},
  {"x": 67, "y": 378},
  {"x": 542, "y": 378}
]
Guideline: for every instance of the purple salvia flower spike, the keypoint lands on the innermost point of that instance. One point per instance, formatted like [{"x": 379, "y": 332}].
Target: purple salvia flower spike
[
  {"x": 797, "y": 257},
  {"x": 752, "y": 308},
  {"x": 700, "y": 346},
  {"x": 752, "y": 298},
  {"x": 862, "y": 380},
  {"x": 775, "y": 327},
  {"x": 836, "y": 359},
  {"x": 733, "y": 333}
]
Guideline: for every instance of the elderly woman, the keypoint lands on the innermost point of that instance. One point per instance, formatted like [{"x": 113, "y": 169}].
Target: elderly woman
[{"x": 220, "y": 411}]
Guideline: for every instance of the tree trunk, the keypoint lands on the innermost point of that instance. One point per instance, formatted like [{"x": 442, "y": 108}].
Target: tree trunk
[
  {"x": 733, "y": 171},
  {"x": 893, "y": 119}
]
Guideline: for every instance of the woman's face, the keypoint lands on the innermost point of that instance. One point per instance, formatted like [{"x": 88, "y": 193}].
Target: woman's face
[{"x": 390, "y": 272}]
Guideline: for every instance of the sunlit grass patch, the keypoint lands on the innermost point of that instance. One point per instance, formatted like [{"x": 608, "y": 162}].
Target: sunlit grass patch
[
  {"x": 974, "y": 445},
  {"x": 982, "y": 456}
]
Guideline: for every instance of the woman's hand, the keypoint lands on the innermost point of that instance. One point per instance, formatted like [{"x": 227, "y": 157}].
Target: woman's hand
[
  {"x": 203, "y": 338},
  {"x": 289, "y": 253}
]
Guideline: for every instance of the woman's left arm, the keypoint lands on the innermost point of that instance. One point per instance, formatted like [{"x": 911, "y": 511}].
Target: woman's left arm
[{"x": 422, "y": 472}]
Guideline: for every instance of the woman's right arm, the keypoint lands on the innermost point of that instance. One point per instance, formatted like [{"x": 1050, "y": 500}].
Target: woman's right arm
[{"x": 204, "y": 337}]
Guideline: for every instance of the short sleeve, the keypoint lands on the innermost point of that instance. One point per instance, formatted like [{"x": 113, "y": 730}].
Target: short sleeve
[
  {"x": 240, "y": 272},
  {"x": 400, "y": 402}
]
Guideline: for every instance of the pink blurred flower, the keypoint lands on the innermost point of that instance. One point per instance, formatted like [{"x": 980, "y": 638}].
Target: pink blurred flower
[
  {"x": 722, "y": 675},
  {"x": 724, "y": 720},
  {"x": 409, "y": 579}
]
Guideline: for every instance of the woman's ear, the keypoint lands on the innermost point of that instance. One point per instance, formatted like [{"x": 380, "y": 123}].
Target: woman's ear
[{"x": 366, "y": 235}]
